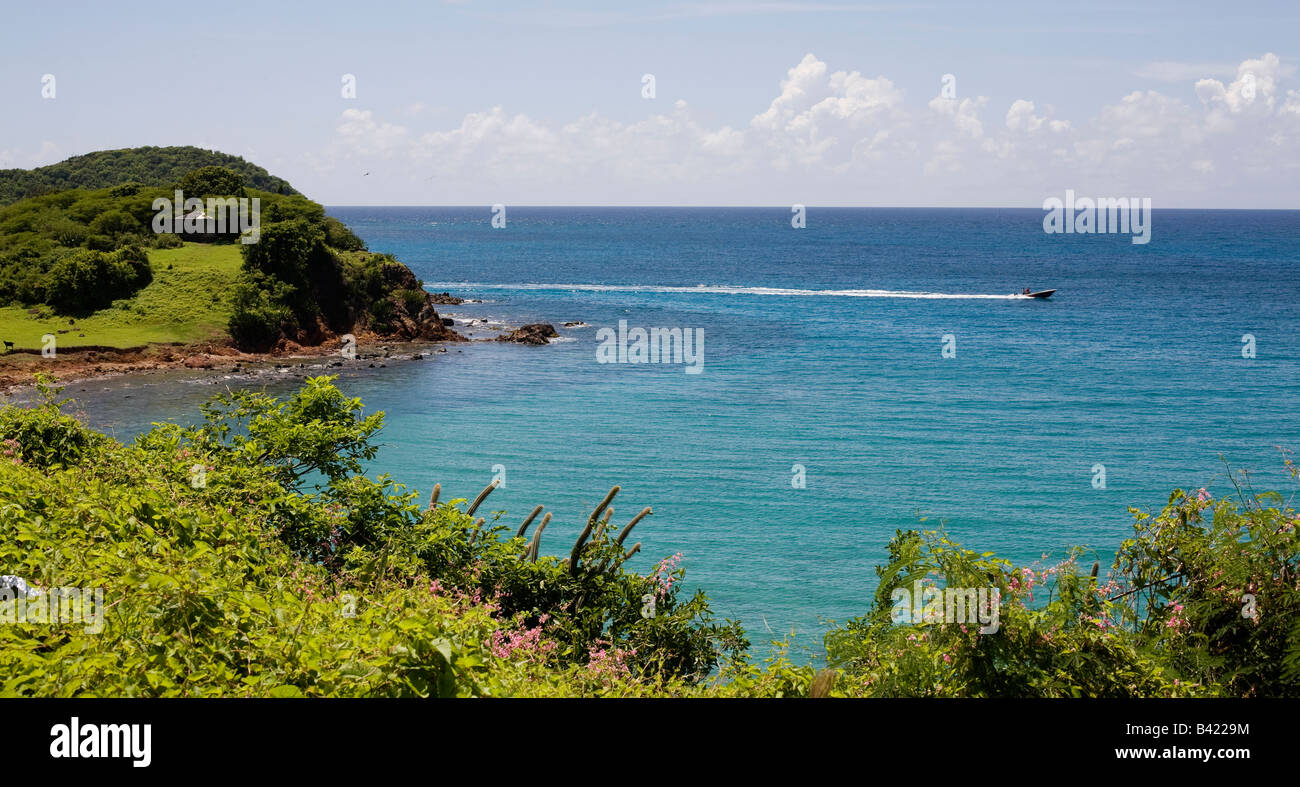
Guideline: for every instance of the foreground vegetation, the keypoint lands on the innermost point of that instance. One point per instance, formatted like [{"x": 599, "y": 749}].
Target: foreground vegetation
[{"x": 249, "y": 556}]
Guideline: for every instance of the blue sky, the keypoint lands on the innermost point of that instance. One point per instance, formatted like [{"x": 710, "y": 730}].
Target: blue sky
[{"x": 541, "y": 103}]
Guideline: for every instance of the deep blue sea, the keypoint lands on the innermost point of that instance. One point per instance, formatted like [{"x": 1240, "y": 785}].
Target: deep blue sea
[{"x": 822, "y": 347}]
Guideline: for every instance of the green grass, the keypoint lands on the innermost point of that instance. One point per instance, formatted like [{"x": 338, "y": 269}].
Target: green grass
[{"x": 186, "y": 303}]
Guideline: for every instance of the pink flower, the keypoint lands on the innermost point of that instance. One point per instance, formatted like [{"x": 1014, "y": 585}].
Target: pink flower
[
  {"x": 525, "y": 643},
  {"x": 609, "y": 665},
  {"x": 665, "y": 574}
]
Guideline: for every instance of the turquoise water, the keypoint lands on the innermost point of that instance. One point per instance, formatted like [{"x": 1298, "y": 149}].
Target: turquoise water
[{"x": 1135, "y": 364}]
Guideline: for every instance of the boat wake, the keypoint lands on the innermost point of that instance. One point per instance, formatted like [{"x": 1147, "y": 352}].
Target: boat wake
[{"x": 722, "y": 289}]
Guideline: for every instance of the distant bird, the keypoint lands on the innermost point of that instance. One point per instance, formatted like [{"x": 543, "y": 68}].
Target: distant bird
[{"x": 364, "y": 174}]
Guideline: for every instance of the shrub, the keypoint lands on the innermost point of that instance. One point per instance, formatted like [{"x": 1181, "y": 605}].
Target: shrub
[
  {"x": 338, "y": 236},
  {"x": 167, "y": 240},
  {"x": 113, "y": 223},
  {"x": 247, "y": 556},
  {"x": 1204, "y": 600},
  {"x": 44, "y": 437},
  {"x": 212, "y": 181},
  {"x": 259, "y": 316},
  {"x": 1214, "y": 586},
  {"x": 413, "y": 300},
  {"x": 86, "y": 280}
]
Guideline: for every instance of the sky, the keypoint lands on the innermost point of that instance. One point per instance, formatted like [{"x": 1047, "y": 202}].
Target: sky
[{"x": 1192, "y": 104}]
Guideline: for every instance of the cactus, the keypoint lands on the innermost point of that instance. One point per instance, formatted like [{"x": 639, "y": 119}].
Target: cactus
[
  {"x": 477, "y": 528},
  {"x": 822, "y": 683},
  {"x": 594, "y": 532},
  {"x": 595, "y": 514},
  {"x": 536, "y": 543},
  {"x": 524, "y": 527},
  {"x": 635, "y": 548},
  {"x": 645, "y": 512},
  {"x": 586, "y": 531},
  {"x": 487, "y": 490},
  {"x": 604, "y": 523}
]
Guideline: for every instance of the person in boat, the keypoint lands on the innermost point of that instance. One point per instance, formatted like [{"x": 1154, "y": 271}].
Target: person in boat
[{"x": 1026, "y": 292}]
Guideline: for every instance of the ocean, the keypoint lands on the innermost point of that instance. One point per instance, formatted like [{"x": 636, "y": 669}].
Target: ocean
[{"x": 867, "y": 373}]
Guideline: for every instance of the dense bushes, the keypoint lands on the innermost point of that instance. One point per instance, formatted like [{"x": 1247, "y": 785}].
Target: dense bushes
[
  {"x": 86, "y": 280},
  {"x": 278, "y": 290},
  {"x": 1203, "y": 601},
  {"x": 260, "y": 315},
  {"x": 248, "y": 555},
  {"x": 211, "y": 181},
  {"x": 1213, "y": 585},
  {"x": 309, "y": 276},
  {"x": 44, "y": 239},
  {"x": 76, "y": 250}
]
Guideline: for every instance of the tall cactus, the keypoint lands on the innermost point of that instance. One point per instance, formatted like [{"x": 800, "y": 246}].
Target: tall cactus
[
  {"x": 645, "y": 512},
  {"x": 487, "y": 490},
  {"x": 635, "y": 548},
  {"x": 604, "y": 523},
  {"x": 595, "y": 531},
  {"x": 822, "y": 683},
  {"x": 574, "y": 556},
  {"x": 524, "y": 527},
  {"x": 537, "y": 539}
]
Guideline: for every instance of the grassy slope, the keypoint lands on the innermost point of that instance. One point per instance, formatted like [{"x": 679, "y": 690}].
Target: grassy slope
[{"x": 188, "y": 303}]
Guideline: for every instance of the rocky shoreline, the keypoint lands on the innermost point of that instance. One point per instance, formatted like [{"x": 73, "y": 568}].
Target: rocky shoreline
[{"x": 219, "y": 358}]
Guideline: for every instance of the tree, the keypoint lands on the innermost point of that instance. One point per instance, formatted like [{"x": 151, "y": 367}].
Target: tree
[{"x": 212, "y": 182}]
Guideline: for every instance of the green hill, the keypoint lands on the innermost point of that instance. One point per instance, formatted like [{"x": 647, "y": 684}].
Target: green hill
[
  {"x": 96, "y": 257},
  {"x": 148, "y": 166}
]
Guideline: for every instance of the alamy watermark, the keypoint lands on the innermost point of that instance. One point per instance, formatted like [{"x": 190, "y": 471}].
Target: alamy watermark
[
  {"x": 22, "y": 604},
  {"x": 223, "y": 215},
  {"x": 1104, "y": 215},
  {"x": 929, "y": 604},
  {"x": 95, "y": 741},
  {"x": 654, "y": 345}
]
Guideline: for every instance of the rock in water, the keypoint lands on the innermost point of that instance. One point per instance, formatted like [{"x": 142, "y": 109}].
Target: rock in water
[{"x": 536, "y": 333}]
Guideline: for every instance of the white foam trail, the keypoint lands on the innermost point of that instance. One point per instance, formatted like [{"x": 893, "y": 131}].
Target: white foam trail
[{"x": 722, "y": 289}]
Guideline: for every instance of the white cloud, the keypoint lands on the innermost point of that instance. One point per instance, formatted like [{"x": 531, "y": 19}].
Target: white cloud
[
  {"x": 964, "y": 114},
  {"x": 364, "y": 135},
  {"x": 840, "y": 137},
  {"x": 830, "y": 120},
  {"x": 1021, "y": 117}
]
